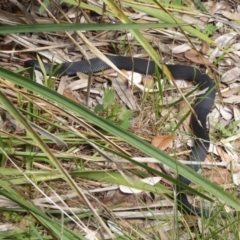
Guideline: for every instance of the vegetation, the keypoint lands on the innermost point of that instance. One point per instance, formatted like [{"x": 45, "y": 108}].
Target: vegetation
[{"x": 68, "y": 171}]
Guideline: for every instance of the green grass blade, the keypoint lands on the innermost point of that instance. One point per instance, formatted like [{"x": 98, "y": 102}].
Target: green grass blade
[
  {"x": 53, "y": 226},
  {"x": 167, "y": 18},
  {"x": 122, "y": 134},
  {"x": 35, "y": 28}
]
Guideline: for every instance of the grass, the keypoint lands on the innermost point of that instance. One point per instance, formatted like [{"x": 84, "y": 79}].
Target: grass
[{"x": 58, "y": 191}]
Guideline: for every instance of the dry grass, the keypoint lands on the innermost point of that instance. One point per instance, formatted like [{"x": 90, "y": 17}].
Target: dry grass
[{"x": 76, "y": 180}]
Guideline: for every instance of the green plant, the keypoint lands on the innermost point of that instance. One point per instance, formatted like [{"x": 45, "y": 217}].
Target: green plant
[
  {"x": 112, "y": 110},
  {"x": 210, "y": 29},
  {"x": 11, "y": 216},
  {"x": 78, "y": 127},
  {"x": 49, "y": 80},
  {"x": 228, "y": 131}
]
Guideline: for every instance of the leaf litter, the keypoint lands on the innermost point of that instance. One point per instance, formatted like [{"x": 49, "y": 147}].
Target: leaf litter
[{"x": 220, "y": 61}]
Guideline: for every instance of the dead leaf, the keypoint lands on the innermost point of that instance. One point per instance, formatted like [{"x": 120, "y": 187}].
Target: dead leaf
[
  {"x": 181, "y": 48},
  {"x": 231, "y": 16},
  {"x": 222, "y": 41},
  {"x": 126, "y": 200},
  {"x": 190, "y": 220},
  {"x": 205, "y": 48},
  {"x": 148, "y": 82},
  {"x": 218, "y": 175},
  {"x": 78, "y": 84},
  {"x": 216, "y": 6},
  {"x": 231, "y": 92},
  {"x": 231, "y": 75},
  {"x": 233, "y": 166},
  {"x": 82, "y": 75},
  {"x": 69, "y": 94},
  {"x": 123, "y": 78},
  {"x": 124, "y": 93},
  {"x": 229, "y": 148},
  {"x": 226, "y": 112},
  {"x": 236, "y": 113},
  {"x": 232, "y": 99},
  {"x": 196, "y": 57},
  {"x": 136, "y": 78},
  {"x": 163, "y": 141},
  {"x": 236, "y": 178},
  {"x": 100, "y": 79},
  {"x": 62, "y": 84},
  {"x": 155, "y": 166}
]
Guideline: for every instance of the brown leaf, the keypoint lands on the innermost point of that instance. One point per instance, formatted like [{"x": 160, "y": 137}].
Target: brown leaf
[
  {"x": 218, "y": 175},
  {"x": 62, "y": 84},
  {"x": 225, "y": 157},
  {"x": 126, "y": 200},
  {"x": 196, "y": 57},
  {"x": 231, "y": 16},
  {"x": 124, "y": 93},
  {"x": 214, "y": 8},
  {"x": 163, "y": 141},
  {"x": 69, "y": 94},
  {"x": 231, "y": 75},
  {"x": 148, "y": 82},
  {"x": 155, "y": 166},
  {"x": 231, "y": 92},
  {"x": 205, "y": 48},
  {"x": 100, "y": 79},
  {"x": 125, "y": 72}
]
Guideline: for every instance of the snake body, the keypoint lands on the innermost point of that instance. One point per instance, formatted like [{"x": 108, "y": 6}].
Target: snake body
[{"x": 201, "y": 107}]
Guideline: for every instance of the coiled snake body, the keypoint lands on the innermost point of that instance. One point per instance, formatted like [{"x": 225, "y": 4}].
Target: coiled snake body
[{"x": 201, "y": 107}]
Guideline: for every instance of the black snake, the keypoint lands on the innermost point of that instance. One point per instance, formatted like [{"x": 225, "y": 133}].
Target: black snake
[{"x": 201, "y": 107}]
